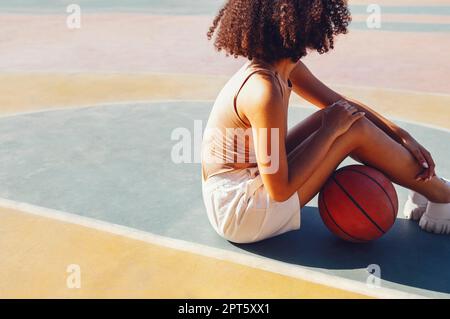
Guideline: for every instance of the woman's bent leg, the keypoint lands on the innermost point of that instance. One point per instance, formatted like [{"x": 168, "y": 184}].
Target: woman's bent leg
[
  {"x": 365, "y": 141},
  {"x": 300, "y": 132}
]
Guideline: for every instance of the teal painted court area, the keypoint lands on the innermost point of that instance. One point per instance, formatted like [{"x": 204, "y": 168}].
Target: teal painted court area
[
  {"x": 171, "y": 7},
  {"x": 211, "y": 7},
  {"x": 113, "y": 163},
  {"x": 404, "y": 27},
  {"x": 174, "y": 7}
]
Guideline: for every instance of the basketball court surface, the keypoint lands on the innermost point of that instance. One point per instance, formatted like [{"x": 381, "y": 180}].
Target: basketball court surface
[{"x": 87, "y": 176}]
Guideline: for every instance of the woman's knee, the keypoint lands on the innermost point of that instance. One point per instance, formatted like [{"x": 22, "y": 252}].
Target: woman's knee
[
  {"x": 358, "y": 135},
  {"x": 362, "y": 129},
  {"x": 363, "y": 126}
]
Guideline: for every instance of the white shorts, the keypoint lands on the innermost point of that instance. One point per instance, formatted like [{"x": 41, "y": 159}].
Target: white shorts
[{"x": 240, "y": 209}]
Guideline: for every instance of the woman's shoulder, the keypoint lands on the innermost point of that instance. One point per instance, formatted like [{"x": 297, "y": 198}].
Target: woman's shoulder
[{"x": 261, "y": 90}]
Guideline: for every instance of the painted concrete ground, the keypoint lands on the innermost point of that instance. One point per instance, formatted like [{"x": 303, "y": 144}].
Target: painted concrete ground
[
  {"x": 113, "y": 163},
  {"x": 94, "y": 187}
]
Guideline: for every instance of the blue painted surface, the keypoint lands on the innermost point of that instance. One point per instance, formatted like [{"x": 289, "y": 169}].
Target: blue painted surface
[
  {"x": 438, "y": 10},
  {"x": 113, "y": 163},
  {"x": 187, "y": 6},
  {"x": 403, "y": 27},
  {"x": 211, "y": 7},
  {"x": 175, "y": 7}
]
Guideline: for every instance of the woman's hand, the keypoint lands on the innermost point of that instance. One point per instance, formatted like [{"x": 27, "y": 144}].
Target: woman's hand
[
  {"x": 422, "y": 156},
  {"x": 339, "y": 117}
]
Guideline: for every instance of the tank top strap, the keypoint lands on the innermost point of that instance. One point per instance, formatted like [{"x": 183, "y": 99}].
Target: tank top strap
[
  {"x": 264, "y": 67},
  {"x": 251, "y": 71}
]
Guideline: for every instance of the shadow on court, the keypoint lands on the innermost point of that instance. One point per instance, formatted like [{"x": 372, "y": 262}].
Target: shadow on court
[
  {"x": 406, "y": 254},
  {"x": 114, "y": 163}
]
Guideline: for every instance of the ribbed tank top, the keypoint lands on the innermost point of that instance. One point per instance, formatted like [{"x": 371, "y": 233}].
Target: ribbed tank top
[{"x": 228, "y": 141}]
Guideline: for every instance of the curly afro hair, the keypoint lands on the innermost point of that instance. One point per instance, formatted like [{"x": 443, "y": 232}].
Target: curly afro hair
[{"x": 271, "y": 30}]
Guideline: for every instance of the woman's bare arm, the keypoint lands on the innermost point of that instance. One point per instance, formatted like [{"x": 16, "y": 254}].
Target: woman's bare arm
[
  {"x": 263, "y": 107},
  {"x": 306, "y": 85},
  {"x": 313, "y": 90}
]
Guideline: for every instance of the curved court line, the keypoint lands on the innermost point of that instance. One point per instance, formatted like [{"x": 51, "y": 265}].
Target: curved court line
[
  {"x": 257, "y": 262},
  {"x": 211, "y": 75},
  {"x": 387, "y": 89},
  {"x": 427, "y": 125},
  {"x": 102, "y": 104}
]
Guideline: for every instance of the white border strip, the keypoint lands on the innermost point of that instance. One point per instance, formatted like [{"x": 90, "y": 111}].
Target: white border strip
[{"x": 258, "y": 262}]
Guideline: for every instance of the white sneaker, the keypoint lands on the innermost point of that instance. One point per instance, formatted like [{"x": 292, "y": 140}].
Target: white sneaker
[
  {"x": 436, "y": 218},
  {"x": 415, "y": 206}
]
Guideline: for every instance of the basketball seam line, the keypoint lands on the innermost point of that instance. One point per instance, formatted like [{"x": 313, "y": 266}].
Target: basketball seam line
[
  {"x": 358, "y": 206},
  {"x": 337, "y": 225},
  {"x": 375, "y": 181}
]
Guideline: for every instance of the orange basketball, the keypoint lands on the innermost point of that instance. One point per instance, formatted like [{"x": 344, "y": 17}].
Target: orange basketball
[{"x": 358, "y": 203}]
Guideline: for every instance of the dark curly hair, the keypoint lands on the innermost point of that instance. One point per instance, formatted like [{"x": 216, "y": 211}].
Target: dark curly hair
[{"x": 271, "y": 30}]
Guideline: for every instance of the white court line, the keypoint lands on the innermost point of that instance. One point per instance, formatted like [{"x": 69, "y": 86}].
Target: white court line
[
  {"x": 206, "y": 76},
  {"x": 103, "y": 104},
  {"x": 430, "y": 126},
  {"x": 251, "y": 261},
  {"x": 395, "y": 118},
  {"x": 258, "y": 262},
  {"x": 392, "y": 90}
]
